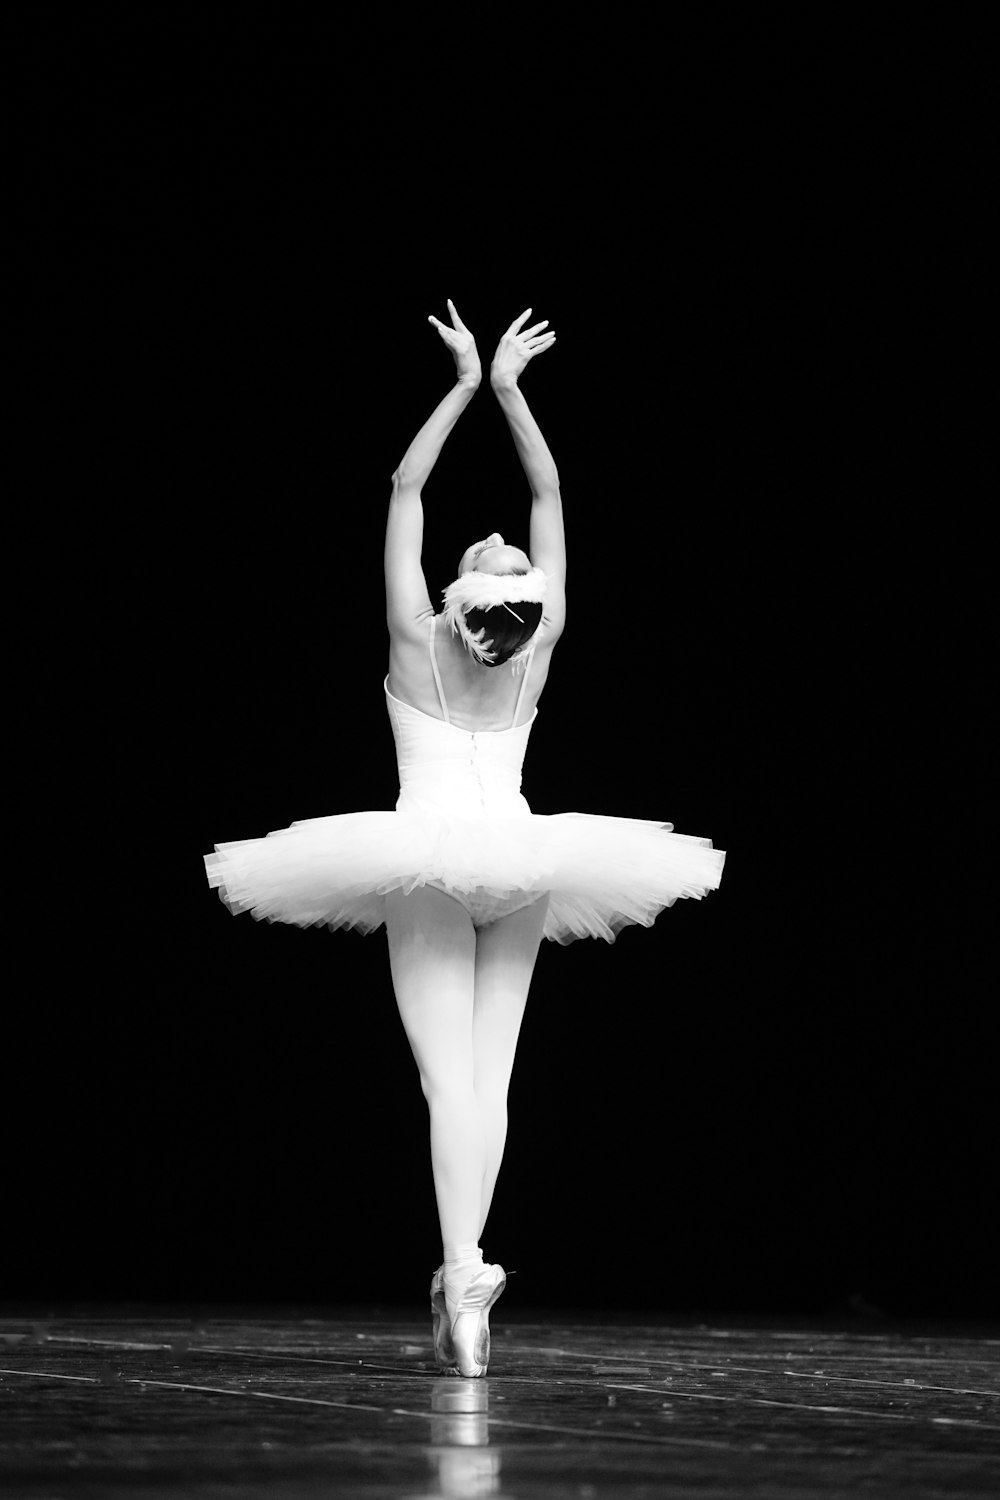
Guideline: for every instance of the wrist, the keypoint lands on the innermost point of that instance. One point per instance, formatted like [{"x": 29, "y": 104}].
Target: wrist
[
  {"x": 502, "y": 383},
  {"x": 469, "y": 382}
]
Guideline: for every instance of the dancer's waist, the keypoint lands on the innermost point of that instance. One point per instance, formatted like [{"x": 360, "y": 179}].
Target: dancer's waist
[{"x": 462, "y": 798}]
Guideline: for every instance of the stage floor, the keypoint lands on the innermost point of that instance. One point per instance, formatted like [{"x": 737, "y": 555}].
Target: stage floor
[{"x": 290, "y": 1406}]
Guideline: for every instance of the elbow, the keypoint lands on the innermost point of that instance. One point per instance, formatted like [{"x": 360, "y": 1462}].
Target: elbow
[
  {"x": 546, "y": 489},
  {"x": 406, "y": 480}
]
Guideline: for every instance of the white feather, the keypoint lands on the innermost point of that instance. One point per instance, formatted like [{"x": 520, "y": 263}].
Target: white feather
[{"x": 475, "y": 590}]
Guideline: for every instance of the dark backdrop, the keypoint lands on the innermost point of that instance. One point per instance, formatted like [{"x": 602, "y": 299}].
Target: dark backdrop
[{"x": 778, "y": 1098}]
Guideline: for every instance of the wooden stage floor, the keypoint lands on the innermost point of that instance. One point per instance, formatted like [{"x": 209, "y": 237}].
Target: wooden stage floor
[{"x": 328, "y": 1406}]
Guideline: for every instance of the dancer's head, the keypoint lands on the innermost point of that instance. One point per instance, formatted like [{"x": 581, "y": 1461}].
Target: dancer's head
[
  {"x": 502, "y": 630},
  {"x": 494, "y": 556}
]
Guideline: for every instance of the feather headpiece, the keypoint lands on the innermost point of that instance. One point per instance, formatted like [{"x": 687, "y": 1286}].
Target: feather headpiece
[{"x": 475, "y": 590}]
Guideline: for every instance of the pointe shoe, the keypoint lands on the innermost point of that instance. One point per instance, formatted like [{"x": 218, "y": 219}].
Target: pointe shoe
[
  {"x": 444, "y": 1349},
  {"x": 468, "y": 1307}
]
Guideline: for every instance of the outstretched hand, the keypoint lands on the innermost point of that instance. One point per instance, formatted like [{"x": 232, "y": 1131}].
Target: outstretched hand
[
  {"x": 462, "y": 345},
  {"x": 516, "y": 348}
]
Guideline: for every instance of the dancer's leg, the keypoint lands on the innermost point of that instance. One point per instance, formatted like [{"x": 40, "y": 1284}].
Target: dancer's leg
[
  {"x": 432, "y": 952},
  {"x": 505, "y": 959}
]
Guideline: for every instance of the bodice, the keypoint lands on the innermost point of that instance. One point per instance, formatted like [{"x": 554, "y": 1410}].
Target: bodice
[{"x": 474, "y": 772}]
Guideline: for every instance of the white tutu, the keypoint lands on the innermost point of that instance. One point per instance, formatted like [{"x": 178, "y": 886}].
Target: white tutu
[
  {"x": 601, "y": 873},
  {"x": 462, "y": 826}
]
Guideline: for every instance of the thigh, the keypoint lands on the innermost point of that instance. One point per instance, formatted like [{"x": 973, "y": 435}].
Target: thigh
[
  {"x": 432, "y": 957},
  {"x": 506, "y": 951}
]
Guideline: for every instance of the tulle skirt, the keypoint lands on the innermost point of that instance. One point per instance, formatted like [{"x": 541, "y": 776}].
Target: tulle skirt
[{"x": 601, "y": 873}]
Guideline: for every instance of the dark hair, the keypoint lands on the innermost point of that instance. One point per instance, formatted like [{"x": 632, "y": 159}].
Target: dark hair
[{"x": 505, "y": 635}]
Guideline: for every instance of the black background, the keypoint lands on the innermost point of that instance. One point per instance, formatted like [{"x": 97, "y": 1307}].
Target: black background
[{"x": 741, "y": 227}]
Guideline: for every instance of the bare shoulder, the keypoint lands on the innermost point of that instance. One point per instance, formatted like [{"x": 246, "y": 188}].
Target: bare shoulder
[
  {"x": 477, "y": 698},
  {"x": 542, "y": 659},
  {"x": 409, "y": 657}
]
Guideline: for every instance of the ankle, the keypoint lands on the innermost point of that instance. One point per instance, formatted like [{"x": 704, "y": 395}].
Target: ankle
[{"x": 461, "y": 1261}]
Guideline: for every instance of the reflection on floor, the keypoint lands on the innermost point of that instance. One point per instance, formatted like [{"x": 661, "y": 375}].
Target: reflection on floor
[{"x": 290, "y": 1406}]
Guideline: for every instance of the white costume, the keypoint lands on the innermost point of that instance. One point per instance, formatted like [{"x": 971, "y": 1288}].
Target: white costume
[{"x": 462, "y": 825}]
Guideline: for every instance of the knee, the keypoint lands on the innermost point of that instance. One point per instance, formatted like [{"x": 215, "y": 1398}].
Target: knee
[{"x": 448, "y": 1092}]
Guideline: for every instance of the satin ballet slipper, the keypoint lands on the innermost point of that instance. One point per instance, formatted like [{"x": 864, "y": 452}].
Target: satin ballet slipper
[
  {"x": 444, "y": 1349},
  {"x": 468, "y": 1307}
]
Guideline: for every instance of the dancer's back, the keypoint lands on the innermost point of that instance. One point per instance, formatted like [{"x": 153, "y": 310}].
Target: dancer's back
[{"x": 479, "y": 698}]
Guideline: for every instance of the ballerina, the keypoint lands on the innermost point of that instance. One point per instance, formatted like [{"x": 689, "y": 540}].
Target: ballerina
[{"x": 465, "y": 878}]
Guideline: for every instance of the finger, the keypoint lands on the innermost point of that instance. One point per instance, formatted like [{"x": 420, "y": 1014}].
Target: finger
[
  {"x": 455, "y": 317},
  {"x": 518, "y": 321},
  {"x": 432, "y": 319},
  {"x": 534, "y": 328},
  {"x": 543, "y": 338}
]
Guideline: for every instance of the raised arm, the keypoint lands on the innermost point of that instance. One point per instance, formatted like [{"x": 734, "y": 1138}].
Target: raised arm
[
  {"x": 547, "y": 548},
  {"x": 422, "y": 454},
  {"x": 406, "y": 597}
]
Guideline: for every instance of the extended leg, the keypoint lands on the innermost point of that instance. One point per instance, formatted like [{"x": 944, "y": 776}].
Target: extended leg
[
  {"x": 505, "y": 959},
  {"x": 432, "y": 951}
]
